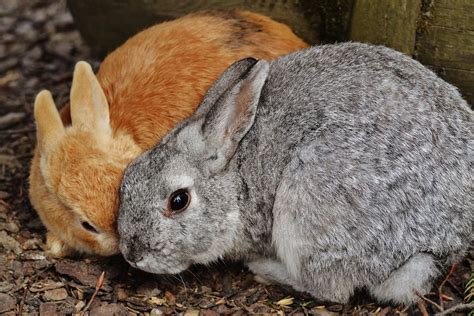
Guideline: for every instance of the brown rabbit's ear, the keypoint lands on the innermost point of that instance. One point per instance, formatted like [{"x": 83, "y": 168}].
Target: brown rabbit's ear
[
  {"x": 50, "y": 128},
  {"x": 89, "y": 107}
]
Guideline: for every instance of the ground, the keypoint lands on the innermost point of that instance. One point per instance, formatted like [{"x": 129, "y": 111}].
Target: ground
[{"x": 38, "y": 49}]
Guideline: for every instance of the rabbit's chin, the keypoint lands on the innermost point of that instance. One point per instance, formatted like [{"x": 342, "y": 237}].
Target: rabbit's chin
[{"x": 151, "y": 264}]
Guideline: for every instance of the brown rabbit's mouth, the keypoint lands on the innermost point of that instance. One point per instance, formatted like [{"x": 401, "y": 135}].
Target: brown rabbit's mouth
[{"x": 109, "y": 244}]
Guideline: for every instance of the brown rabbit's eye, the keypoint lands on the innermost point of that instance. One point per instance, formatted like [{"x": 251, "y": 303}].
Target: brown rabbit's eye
[
  {"x": 89, "y": 227},
  {"x": 179, "y": 201}
]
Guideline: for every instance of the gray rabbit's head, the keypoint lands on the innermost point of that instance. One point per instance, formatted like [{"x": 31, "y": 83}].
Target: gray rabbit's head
[{"x": 179, "y": 200}]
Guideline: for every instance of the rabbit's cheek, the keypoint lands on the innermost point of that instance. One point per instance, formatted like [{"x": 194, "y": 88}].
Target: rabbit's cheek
[
  {"x": 108, "y": 244},
  {"x": 160, "y": 262}
]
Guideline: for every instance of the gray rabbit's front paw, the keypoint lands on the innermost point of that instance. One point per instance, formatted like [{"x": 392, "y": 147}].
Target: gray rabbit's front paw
[{"x": 270, "y": 271}]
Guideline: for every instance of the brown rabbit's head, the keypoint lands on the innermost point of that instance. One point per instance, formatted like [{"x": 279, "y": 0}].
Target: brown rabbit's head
[{"x": 76, "y": 170}]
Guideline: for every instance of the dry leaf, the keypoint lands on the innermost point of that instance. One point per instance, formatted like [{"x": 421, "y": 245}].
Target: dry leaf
[
  {"x": 285, "y": 302},
  {"x": 156, "y": 301}
]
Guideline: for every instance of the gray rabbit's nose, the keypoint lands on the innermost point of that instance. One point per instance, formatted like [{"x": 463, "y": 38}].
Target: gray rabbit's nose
[
  {"x": 132, "y": 252},
  {"x": 134, "y": 256}
]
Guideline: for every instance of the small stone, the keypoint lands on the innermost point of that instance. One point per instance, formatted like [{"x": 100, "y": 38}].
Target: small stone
[
  {"x": 335, "y": 308},
  {"x": 26, "y": 30},
  {"x": 10, "y": 119},
  {"x": 104, "y": 308},
  {"x": 7, "y": 23},
  {"x": 33, "y": 301},
  {"x": 11, "y": 80},
  {"x": 208, "y": 312},
  {"x": 79, "y": 306},
  {"x": 5, "y": 286},
  {"x": 3, "y": 51},
  {"x": 16, "y": 267},
  {"x": 156, "y": 312},
  {"x": 62, "y": 49},
  {"x": 33, "y": 256},
  {"x": 9, "y": 243},
  {"x": 8, "y": 38},
  {"x": 205, "y": 289},
  {"x": 55, "y": 295},
  {"x": 16, "y": 49},
  {"x": 34, "y": 54},
  {"x": 32, "y": 244},
  {"x": 156, "y": 301},
  {"x": 8, "y": 7},
  {"x": 149, "y": 289},
  {"x": 8, "y": 64},
  {"x": 222, "y": 309},
  {"x": 192, "y": 312},
  {"x": 48, "y": 309},
  {"x": 63, "y": 21},
  {"x": 11, "y": 227},
  {"x": 39, "y": 16},
  {"x": 170, "y": 298},
  {"x": 32, "y": 82},
  {"x": 10, "y": 161},
  {"x": 121, "y": 294},
  {"x": 4, "y": 195},
  {"x": 7, "y": 303}
]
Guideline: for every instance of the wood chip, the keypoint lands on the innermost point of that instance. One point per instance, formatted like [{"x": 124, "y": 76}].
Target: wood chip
[
  {"x": 55, "y": 295},
  {"x": 45, "y": 285}
]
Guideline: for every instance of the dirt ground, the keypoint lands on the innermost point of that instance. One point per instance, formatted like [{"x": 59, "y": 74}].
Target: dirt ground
[{"x": 38, "y": 49}]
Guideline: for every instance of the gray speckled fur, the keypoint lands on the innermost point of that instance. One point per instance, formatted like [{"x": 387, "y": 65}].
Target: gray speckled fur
[{"x": 353, "y": 170}]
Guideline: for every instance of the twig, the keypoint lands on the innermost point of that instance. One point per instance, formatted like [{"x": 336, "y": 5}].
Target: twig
[
  {"x": 18, "y": 131},
  {"x": 5, "y": 203},
  {"x": 429, "y": 301},
  {"x": 456, "y": 308},
  {"x": 98, "y": 285},
  {"x": 405, "y": 309},
  {"x": 22, "y": 303},
  {"x": 384, "y": 311},
  {"x": 31, "y": 279},
  {"x": 422, "y": 306},
  {"x": 455, "y": 287},
  {"x": 440, "y": 289}
]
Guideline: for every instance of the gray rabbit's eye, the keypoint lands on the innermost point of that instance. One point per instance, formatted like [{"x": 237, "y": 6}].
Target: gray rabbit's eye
[{"x": 179, "y": 201}]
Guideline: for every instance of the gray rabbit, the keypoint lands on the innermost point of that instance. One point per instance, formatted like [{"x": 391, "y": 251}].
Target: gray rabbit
[{"x": 335, "y": 168}]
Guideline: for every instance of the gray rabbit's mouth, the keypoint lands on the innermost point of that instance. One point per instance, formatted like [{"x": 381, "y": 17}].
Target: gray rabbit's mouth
[{"x": 151, "y": 264}]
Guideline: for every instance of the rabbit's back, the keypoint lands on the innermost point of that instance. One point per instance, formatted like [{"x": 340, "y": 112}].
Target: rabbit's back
[
  {"x": 163, "y": 72},
  {"x": 380, "y": 144}
]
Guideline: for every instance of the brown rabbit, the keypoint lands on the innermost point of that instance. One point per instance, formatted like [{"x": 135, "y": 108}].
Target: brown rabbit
[{"x": 142, "y": 90}]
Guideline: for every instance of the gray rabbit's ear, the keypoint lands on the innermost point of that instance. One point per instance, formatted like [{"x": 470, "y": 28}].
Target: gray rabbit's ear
[
  {"x": 228, "y": 79},
  {"x": 231, "y": 117}
]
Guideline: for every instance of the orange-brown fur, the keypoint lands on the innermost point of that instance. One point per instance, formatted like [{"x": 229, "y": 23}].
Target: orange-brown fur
[{"x": 151, "y": 82}]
